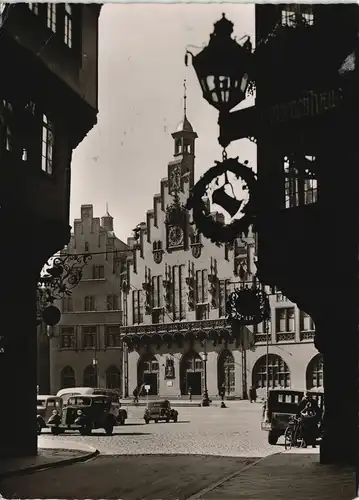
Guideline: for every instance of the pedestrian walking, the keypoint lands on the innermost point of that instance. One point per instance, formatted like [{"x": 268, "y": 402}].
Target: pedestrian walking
[
  {"x": 190, "y": 393},
  {"x": 253, "y": 394},
  {"x": 222, "y": 391},
  {"x": 135, "y": 395},
  {"x": 309, "y": 425}
]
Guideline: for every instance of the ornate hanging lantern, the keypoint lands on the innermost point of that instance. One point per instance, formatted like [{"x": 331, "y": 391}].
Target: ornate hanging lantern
[{"x": 222, "y": 67}]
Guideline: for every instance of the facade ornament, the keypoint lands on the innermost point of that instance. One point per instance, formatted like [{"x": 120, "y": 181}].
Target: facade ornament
[
  {"x": 213, "y": 283},
  {"x": 168, "y": 287},
  {"x": 191, "y": 283},
  {"x": 60, "y": 276},
  {"x": 147, "y": 287}
]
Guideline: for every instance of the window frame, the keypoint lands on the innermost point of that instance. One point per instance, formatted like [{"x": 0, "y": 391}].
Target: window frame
[
  {"x": 89, "y": 331},
  {"x": 67, "y": 337}
]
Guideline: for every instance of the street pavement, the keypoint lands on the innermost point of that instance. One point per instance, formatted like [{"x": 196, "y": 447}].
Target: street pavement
[
  {"x": 230, "y": 432},
  {"x": 210, "y": 453}
]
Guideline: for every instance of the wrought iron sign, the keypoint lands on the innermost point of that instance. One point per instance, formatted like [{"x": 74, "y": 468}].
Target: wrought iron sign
[
  {"x": 61, "y": 275},
  {"x": 248, "y": 306},
  {"x": 216, "y": 230}
]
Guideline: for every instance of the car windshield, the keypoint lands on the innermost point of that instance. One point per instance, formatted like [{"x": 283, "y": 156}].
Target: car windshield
[
  {"x": 158, "y": 405},
  {"x": 79, "y": 401},
  {"x": 99, "y": 400},
  {"x": 41, "y": 402}
]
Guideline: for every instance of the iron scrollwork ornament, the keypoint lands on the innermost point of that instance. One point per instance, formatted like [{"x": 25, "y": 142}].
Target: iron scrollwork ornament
[
  {"x": 216, "y": 230},
  {"x": 61, "y": 275},
  {"x": 248, "y": 306}
]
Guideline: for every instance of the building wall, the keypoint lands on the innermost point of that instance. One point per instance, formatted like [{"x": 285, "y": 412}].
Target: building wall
[
  {"x": 96, "y": 236},
  {"x": 290, "y": 336}
]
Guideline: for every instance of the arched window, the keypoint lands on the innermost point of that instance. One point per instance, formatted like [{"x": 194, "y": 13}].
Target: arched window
[
  {"x": 276, "y": 373},
  {"x": 226, "y": 370},
  {"x": 89, "y": 379},
  {"x": 67, "y": 377},
  {"x": 314, "y": 375},
  {"x": 113, "y": 377}
]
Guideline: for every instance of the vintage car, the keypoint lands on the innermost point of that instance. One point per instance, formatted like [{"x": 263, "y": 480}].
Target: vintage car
[
  {"x": 282, "y": 405},
  {"x": 84, "y": 413},
  {"x": 160, "y": 410},
  {"x": 45, "y": 406},
  {"x": 121, "y": 413}
]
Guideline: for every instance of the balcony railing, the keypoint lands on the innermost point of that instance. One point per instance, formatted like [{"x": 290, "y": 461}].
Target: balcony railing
[
  {"x": 307, "y": 334},
  {"x": 285, "y": 336}
]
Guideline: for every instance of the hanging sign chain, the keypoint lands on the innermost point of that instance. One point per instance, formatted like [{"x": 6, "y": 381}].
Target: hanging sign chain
[{"x": 224, "y": 154}]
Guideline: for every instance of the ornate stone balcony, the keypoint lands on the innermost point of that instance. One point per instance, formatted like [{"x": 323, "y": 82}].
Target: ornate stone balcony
[{"x": 215, "y": 330}]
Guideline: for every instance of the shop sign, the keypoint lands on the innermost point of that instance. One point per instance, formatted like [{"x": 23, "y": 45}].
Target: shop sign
[{"x": 310, "y": 105}]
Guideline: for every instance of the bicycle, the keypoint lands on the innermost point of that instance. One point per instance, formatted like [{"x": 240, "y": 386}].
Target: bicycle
[{"x": 293, "y": 434}]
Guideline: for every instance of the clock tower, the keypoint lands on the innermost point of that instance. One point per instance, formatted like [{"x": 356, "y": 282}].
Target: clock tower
[
  {"x": 184, "y": 147},
  {"x": 180, "y": 180}
]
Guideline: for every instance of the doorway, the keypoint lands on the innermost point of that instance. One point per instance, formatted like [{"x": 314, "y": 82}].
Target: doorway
[
  {"x": 226, "y": 372},
  {"x": 194, "y": 380},
  {"x": 191, "y": 373},
  {"x": 148, "y": 373},
  {"x": 151, "y": 380}
]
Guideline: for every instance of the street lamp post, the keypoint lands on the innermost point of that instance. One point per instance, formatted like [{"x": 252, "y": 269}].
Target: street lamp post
[
  {"x": 205, "y": 398},
  {"x": 95, "y": 366}
]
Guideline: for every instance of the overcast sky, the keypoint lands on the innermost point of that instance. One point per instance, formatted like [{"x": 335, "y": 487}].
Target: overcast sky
[{"x": 141, "y": 73}]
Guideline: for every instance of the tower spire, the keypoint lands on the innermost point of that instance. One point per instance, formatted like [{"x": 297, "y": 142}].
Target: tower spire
[
  {"x": 106, "y": 207},
  {"x": 184, "y": 98}
]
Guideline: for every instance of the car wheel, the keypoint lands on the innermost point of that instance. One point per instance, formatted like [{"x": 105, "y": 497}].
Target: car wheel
[
  {"x": 55, "y": 431},
  {"x": 156, "y": 421},
  {"x": 272, "y": 438},
  {"x": 109, "y": 429}
]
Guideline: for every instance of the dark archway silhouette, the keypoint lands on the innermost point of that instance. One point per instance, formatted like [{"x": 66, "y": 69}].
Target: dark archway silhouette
[
  {"x": 89, "y": 377},
  {"x": 278, "y": 372},
  {"x": 68, "y": 377},
  {"x": 314, "y": 373},
  {"x": 226, "y": 370},
  {"x": 191, "y": 373},
  {"x": 113, "y": 377},
  {"x": 148, "y": 371}
]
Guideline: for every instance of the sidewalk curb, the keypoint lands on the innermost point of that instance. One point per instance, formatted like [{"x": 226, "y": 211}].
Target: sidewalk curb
[
  {"x": 213, "y": 486},
  {"x": 51, "y": 465}
]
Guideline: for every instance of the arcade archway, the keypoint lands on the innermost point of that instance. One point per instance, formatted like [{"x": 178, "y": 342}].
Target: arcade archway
[
  {"x": 191, "y": 373},
  {"x": 148, "y": 370},
  {"x": 314, "y": 373},
  {"x": 226, "y": 372},
  {"x": 277, "y": 373},
  {"x": 68, "y": 377}
]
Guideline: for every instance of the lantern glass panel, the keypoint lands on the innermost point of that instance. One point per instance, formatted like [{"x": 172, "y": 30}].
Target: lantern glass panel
[{"x": 244, "y": 83}]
